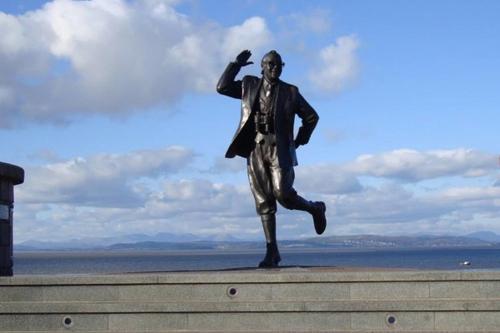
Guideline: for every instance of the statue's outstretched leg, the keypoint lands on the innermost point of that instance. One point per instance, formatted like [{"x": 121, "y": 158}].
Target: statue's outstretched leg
[{"x": 286, "y": 195}]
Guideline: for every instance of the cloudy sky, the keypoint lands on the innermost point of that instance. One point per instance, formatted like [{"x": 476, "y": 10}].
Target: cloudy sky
[{"x": 110, "y": 106}]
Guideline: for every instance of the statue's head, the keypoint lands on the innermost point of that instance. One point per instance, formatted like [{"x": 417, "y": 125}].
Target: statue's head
[{"x": 272, "y": 65}]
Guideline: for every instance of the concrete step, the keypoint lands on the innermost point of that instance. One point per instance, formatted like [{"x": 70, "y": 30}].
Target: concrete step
[
  {"x": 255, "y": 292},
  {"x": 245, "y": 306},
  {"x": 287, "y": 300},
  {"x": 223, "y": 286},
  {"x": 264, "y": 321},
  {"x": 268, "y": 331}
]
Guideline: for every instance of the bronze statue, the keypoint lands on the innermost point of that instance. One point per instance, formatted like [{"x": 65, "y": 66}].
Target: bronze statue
[{"x": 265, "y": 138}]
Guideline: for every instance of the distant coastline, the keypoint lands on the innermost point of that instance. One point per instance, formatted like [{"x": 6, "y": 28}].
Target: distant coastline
[
  {"x": 333, "y": 243},
  {"x": 209, "y": 252}
]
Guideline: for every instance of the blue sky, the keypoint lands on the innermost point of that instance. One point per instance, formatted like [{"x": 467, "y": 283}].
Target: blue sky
[{"x": 111, "y": 108}]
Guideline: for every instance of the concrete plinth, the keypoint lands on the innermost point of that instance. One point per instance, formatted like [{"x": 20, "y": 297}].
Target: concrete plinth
[
  {"x": 10, "y": 175},
  {"x": 286, "y": 300}
]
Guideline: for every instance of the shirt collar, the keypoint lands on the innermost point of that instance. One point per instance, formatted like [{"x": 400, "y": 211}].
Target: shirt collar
[{"x": 267, "y": 84}]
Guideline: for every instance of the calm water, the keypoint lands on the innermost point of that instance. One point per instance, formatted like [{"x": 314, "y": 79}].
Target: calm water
[{"x": 119, "y": 262}]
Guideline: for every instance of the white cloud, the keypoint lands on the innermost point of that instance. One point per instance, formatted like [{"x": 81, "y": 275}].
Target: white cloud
[
  {"x": 390, "y": 209},
  {"x": 405, "y": 165},
  {"x": 337, "y": 65},
  {"x": 253, "y": 31},
  {"x": 111, "y": 180},
  {"x": 187, "y": 197},
  {"x": 384, "y": 205},
  {"x": 111, "y": 57},
  {"x": 412, "y": 165},
  {"x": 328, "y": 179},
  {"x": 231, "y": 165},
  {"x": 115, "y": 194},
  {"x": 135, "y": 192},
  {"x": 198, "y": 207},
  {"x": 473, "y": 196}
]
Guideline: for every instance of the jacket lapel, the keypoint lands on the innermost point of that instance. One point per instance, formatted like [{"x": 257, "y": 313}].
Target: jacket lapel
[
  {"x": 253, "y": 94},
  {"x": 278, "y": 106}
]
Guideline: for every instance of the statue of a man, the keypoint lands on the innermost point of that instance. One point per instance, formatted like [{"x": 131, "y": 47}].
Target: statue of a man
[{"x": 265, "y": 138}]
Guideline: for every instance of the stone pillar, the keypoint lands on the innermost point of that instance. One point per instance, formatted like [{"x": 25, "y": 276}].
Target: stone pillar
[{"x": 10, "y": 175}]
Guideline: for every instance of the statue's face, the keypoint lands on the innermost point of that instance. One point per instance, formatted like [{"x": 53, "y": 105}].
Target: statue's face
[{"x": 272, "y": 66}]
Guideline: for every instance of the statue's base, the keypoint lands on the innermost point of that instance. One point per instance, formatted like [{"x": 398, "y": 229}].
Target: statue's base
[{"x": 252, "y": 300}]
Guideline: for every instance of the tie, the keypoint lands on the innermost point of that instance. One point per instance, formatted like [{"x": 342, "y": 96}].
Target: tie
[
  {"x": 268, "y": 92},
  {"x": 266, "y": 98}
]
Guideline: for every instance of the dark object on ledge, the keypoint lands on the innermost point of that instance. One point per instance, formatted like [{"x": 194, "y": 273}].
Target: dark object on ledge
[{"x": 10, "y": 175}]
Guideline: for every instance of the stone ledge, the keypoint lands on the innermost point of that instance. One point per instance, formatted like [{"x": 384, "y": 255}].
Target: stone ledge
[{"x": 285, "y": 275}]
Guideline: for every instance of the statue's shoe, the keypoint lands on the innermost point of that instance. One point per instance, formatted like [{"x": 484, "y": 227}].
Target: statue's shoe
[
  {"x": 272, "y": 258},
  {"x": 319, "y": 217}
]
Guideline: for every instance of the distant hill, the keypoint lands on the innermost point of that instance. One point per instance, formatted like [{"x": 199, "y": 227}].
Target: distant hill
[
  {"x": 91, "y": 243},
  {"x": 487, "y": 236},
  {"x": 377, "y": 241},
  {"x": 164, "y": 242}
]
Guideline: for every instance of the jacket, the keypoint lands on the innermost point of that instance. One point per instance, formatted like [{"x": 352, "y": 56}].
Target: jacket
[{"x": 288, "y": 103}]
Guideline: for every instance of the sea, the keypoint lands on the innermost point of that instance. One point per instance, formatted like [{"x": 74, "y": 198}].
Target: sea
[{"x": 95, "y": 262}]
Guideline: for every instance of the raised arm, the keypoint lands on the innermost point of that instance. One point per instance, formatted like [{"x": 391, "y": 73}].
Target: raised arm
[{"x": 227, "y": 85}]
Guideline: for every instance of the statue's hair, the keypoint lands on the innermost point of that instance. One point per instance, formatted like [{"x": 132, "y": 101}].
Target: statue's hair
[{"x": 272, "y": 52}]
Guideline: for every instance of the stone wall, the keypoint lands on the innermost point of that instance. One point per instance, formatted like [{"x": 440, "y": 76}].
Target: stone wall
[{"x": 293, "y": 299}]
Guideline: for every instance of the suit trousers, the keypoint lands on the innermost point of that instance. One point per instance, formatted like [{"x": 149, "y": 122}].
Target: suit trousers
[{"x": 270, "y": 183}]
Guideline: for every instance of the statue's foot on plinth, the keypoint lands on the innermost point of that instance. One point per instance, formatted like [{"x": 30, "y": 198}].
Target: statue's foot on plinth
[{"x": 272, "y": 258}]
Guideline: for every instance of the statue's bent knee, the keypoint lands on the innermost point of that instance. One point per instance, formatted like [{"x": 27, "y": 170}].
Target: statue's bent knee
[{"x": 286, "y": 198}]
